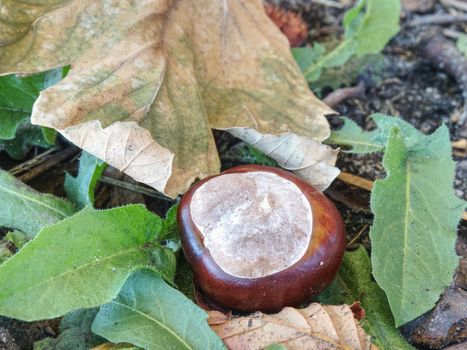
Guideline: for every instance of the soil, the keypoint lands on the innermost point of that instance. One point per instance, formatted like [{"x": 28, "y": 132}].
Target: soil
[{"x": 408, "y": 86}]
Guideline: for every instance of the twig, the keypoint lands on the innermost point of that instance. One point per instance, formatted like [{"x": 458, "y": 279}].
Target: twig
[
  {"x": 49, "y": 163},
  {"x": 460, "y": 144},
  {"x": 357, "y": 236},
  {"x": 339, "y": 95},
  {"x": 452, "y": 34},
  {"x": 329, "y": 3},
  {"x": 356, "y": 181},
  {"x": 135, "y": 188},
  {"x": 437, "y": 19},
  {"x": 32, "y": 162},
  {"x": 444, "y": 55},
  {"x": 460, "y": 5}
]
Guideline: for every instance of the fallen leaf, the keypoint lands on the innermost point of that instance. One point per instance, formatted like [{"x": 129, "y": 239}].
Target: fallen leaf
[
  {"x": 307, "y": 158},
  {"x": 149, "y": 80},
  {"x": 314, "y": 327},
  {"x": 290, "y": 23},
  {"x": 354, "y": 282},
  {"x": 421, "y": 6}
]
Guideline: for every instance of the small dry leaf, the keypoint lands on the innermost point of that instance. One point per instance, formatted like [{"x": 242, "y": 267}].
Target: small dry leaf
[
  {"x": 290, "y": 23},
  {"x": 149, "y": 79},
  {"x": 307, "y": 158},
  {"x": 317, "y": 327}
]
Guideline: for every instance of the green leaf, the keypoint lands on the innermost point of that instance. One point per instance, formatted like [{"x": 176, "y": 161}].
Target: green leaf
[
  {"x": 80, "y": 189},
  {"x": 18, "y": 238},
  {"x": 170, "y": 235},
  {"x": 354, "y": 283},
  {"x": 359, "y": 141},
  {"x": 81, "y": 262},
  {"x": 150, "y": 314},
  {"x": 75, "y": 333},
  {"x": 416, "y": 217},
  {"x": 416, "y": 212},
  {"x": 462, "y": 43},
  {"x": 308, "y": 55},
  {"x": 28, "y": 210},
  {"x": 368, "y": 28},
  {"x": 17, "y": 96}
]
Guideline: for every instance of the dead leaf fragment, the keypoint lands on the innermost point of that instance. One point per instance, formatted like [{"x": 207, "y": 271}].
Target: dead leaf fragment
[
  {"x": 290, "y": 23},
  {"x": 149, "y": 80},
  {"x": 307, "y": 158},
  {"x": 315, "y": 327}
]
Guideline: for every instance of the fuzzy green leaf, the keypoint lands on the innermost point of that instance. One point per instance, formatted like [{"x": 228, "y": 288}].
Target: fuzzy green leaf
[
  {"x": 416, "y": 217},
  {"x": 354, "y": 283},
  {"x": 416, "y": 212},
  {"x": 81, "y": 262},
  {"x": 359, "y": 141},
  {"x": 75, "y": 333},
  {"x": 80, "y": 189},
  {"x": 150, "y": 314},
  {"x": 28, "y": 210},
  {"x": 368, "y": 28}
]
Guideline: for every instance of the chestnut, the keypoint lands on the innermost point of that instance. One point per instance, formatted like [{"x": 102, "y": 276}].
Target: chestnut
[{"x": 259, "y": 238}]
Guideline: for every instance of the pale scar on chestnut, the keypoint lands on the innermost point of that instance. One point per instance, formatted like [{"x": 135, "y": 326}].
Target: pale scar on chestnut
[{"x": 253, "y": 224}]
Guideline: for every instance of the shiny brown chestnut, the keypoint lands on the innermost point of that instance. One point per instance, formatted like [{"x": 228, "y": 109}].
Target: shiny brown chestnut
[{"x": 259, "y": 238}]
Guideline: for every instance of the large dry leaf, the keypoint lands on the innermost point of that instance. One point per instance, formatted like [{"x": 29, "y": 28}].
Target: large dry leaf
[
  {"x": 317, "y": 327},
  {"x": 150, "y": 78}
]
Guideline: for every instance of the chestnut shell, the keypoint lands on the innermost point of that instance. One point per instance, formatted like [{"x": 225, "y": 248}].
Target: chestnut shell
[{"x": 289, "y": 287}]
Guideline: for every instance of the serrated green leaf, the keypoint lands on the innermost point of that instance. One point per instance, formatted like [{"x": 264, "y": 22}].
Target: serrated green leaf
[
  {"x": 359, "y": 141},
  {"x": 28, "y": 210},
  {"x": 368, "y": 28},
  {"x": 81, "y": 262},
  {"x": 150, "y": 314},
  {"x": 80, "y": 189},
  {"x": 75, "y": 333},
  {"x": 354, "y": 283},
  {"x": 416, "y": 217}
]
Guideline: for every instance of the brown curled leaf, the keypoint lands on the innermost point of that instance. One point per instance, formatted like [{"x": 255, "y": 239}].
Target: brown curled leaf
[
  {"x": 150, "y": 79},
  {"x": 315, "y": 327}
]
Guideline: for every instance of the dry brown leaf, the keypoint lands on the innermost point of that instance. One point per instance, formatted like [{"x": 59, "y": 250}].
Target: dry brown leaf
[
  {"x": 290, "y": 23},
  {"x": 307, "y": 158},
  {"x": 150, "y": 78},
  {"x": 314, "y": 327}
]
